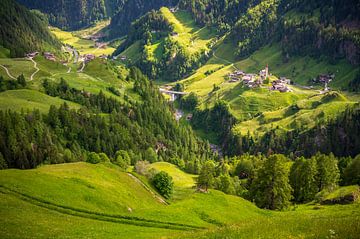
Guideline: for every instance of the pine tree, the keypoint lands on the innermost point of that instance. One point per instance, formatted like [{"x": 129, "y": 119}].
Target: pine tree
[
  {"x": 206, "y": 177},
  {"x": 270, "y": 188}
]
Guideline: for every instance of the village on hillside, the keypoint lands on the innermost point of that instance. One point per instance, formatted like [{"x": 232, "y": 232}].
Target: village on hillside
[{"x": 281, "y": 84}]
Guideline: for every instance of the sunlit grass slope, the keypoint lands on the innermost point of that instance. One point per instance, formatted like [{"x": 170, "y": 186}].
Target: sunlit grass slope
[
  {"x": 192, "y": 37},
  {"x": 83, "y": 200},
  {"x": 84, "y": 46},
  {"x": 30, "y": 100}
]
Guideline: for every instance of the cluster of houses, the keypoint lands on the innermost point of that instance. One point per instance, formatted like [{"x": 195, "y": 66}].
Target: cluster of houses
[
  {"x": 281, "y": 85},
  {"x": 324, "y": 79},
  {"x": 253, "y": 80},
  {"x": 248, "y": 79}
]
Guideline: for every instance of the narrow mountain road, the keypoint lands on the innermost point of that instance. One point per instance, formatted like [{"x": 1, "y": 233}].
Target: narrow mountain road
[
  {"x": 7, "y": 72},
  {"x": 82, "y": 67},
  {"x": 148, "y": 189},
  {"x": 222, "y": 59},
  {"x": 36, "y": 69}
]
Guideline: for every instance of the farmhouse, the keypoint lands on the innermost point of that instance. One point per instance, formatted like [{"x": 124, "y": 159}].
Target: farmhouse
[
  {"x": 49, "y": 56},
  {"x": 280, "y": 85},
  {"x": 123, "y": 58},
  {"x": 89, "y": 57},
  {"x": 32, "y": 54}
]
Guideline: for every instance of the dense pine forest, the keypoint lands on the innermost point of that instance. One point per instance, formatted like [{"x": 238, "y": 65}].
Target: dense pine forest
[{"x": 31, "y": 34}]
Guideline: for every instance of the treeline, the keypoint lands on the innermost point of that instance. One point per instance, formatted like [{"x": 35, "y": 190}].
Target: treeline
[
  {"x": 340, "y": 136},
  {"x": 274, "y": 182},
  {"x": 144, "y": 130},
  {"x": 19, "y": 83},
  {"x": 223, "y": 14},
  {"x": 22, "y": 31}
]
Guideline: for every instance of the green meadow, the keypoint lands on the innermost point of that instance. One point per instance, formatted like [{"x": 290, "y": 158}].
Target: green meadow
[{"x": 106, "y": 202}]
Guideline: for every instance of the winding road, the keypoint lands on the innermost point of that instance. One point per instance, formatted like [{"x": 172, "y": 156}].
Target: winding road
[
  {"x": 82, "y": 67},
  {"x": 36, "y": 69},
  {"x": 7, "y": 72},
  {"x": 222, "y": 59}
]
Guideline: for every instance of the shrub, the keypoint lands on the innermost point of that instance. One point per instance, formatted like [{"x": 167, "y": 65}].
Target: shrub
[
  {"x": 93, "y": 158},
  {"x": 104, "y": 158},
  {"x": 122, "y": 159},
  {"x": 163, "y": 183}
]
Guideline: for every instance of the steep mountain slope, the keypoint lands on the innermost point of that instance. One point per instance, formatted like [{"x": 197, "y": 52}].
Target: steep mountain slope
[
  {"x": 22, "y": 31},
  {"x": 130, "y": 11},
  {"x": 74, "y": 14}
]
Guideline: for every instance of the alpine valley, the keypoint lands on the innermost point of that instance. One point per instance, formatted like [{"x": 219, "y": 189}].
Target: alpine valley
[{"x": 180, "y": 119}]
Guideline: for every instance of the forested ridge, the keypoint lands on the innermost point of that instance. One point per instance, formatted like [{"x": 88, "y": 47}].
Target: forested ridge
[
  {"x": 144, "y": 130},
  {"x": 74, "y": 14},
  {"x": 304, "y": 28},
  {"x": 132, "y": 10},
  {"x": 23, "y": 31}
]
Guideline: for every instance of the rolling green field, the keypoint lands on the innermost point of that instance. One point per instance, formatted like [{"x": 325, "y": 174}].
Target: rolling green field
[
  {"x": 29, "y": 100},
  {"x": 106, "y": 202}
]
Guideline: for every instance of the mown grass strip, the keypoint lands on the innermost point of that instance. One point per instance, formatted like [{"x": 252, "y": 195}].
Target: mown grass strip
[{"x": 97, "y": 215}]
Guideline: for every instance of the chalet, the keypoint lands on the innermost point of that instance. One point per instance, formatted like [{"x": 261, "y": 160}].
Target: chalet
[
  {"x": 234, "y": 79},
  {"x": 103, "y": 56},
  {"x": 32, "y": 54},
  {"x": 325, "y": 78},
  {"x": 89, "y": 57},
  {"x": 123, "y": 58},
  {"x": 239, "y": 73},
  {"x": 280, "y": 86},
  {"x": 49, "y": 56},
  {"x": 285, "y": 80},
  {"x": 248, "y": 78},
  {"x": 174, "y": 9}
]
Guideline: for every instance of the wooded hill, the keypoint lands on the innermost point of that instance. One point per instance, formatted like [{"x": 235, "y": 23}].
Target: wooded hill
[
  {"x": 23, "y": 31},
  {"x": 327, "y": 31}
]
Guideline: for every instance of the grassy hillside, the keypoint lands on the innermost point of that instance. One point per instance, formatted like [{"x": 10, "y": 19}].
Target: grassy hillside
[
  {"x": 30, "y": 99},
  {"x": 102, "y": 195},
  {"x": 192, "y": 37}
]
